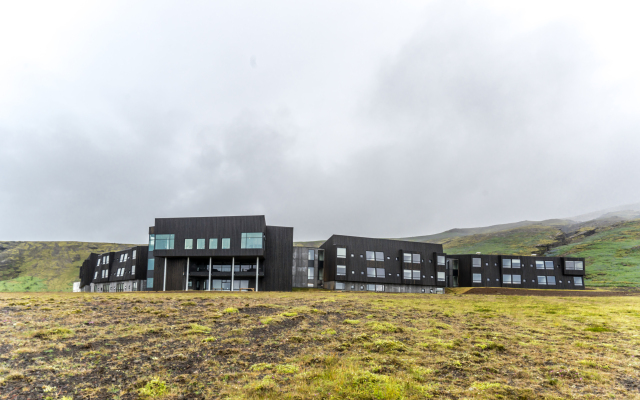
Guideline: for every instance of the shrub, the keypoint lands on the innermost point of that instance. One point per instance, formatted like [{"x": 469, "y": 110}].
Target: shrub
[{"x": 154, "y": 388}]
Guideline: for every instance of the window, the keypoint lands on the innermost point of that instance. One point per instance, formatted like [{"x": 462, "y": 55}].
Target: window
[
  {"x": 548, "y": 264},
  {"x": 188, "y": 244},
  {"x": 165, "y": 242},
  {"x": 515, "y": 263},
  {"x": 311, "y": 273},
  {"x": 339, "y": 285},
  {"x": 98, "y": 263},
  {"x": 506, "y": 278},
  {"x": 476, "y": 262},
  {"x": 551, "y": 280},
  {"x": 379, "y": 256},
  {"x": 312, "y": 254},
  {"x": 506, "y": 263},
  {"x": 569, "y": 265},
  {"x": 416, "y": 258},
  {"x": 539, "y": 264},
  {"x": 579, "y": 265},
  {"x": 121, "y": 257},
  {"x": 542, "y": 280},
  {"x": 515, "y": 279},
  {"x": 226, "y": 243},
  {"x": 441, "y": 277},
  {"x": 341, "y": 270},
  {"x": 380, "y": 272},
  {"x": 150, "y": 264},
  {"x": 371, "y": 287},
  {"x": 441, "y": 260},
  {"x": 213, "y": 244},
  {"x": 416, "y": 274},
  {"x": 577, "y": 280},
  {"x": 371, "y": 256},
  {"x": 95, "y": 276},
  {"x": 251, "y": 240},
  {"x": 135, "y": 286},
  {"x": 133, "y": 269},
  {"x": 134, "y": 254},
  {"x": 200, "y": 244},
  {"x": 152, "y": 242},
  {"x": 371, "y": 272},
  {"x": 406, "y": 257},
  {"x": 342, "y": 252},
  {"x": 406, "y": 274},
  {"x": 379, "y": 288}
]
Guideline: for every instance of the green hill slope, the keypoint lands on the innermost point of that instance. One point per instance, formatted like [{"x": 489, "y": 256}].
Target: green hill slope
[{"x": 45, "y": 266}]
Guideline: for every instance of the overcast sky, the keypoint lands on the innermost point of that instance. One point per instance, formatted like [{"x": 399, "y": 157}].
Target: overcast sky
[{"x": 382, "y": 119}]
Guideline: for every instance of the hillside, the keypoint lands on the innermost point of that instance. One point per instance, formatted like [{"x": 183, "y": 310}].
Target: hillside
[{"x": 45, "y": 266}]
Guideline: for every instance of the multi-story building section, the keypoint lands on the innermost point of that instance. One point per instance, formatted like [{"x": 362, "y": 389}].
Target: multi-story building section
[
  {"x": 308, "y": 267},
  {"x": 120, "y": 271}
]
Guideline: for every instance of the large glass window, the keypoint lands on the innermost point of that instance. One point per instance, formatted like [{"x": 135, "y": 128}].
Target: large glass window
[
  {"x": 441, "y": 260},
  {"x": 579, "y": 265},
  {"x": 341, "y": 270},
  {"x": 551, "y": 280},
  {"x": 476, "y": 262},
  {"x": 569, "y": 265},
  {"x": 342, "y": 252},
  {"x": 441, "y": 277},
  {"x": 506, "y": 278},
  {"x": 149, "y": 283},
  {"x": 152, "y": 242},
  {"x": 200, "y": 244},
  {"x": 406, "y": 274},
  {"x": 406, "y": 257},
  {"x": 150, "y": 264},
  {"x": 516, "y": 279},
  {"x": 371, "y": 256},
  {"x": 311, "y": 273},
  {"x": 548, "y": 264},
  {"x": 226, "y": 243},
  {"x": 371, "y": 272},
  {"x": 506, "y": 263},
  {"x": 380, "y": 272},
  {"x": 379, "y": 256},
  {"x": 515, "y": 263},
  {"x": 311, "y": 255},
  {"x": 477, "y": 278},
  {"x": 539, "y": 264},
  {"x": 188, "y": 244},
  {"x": 416, "y": 258},
  {"x": 213, "y": 244},
  {"x": 251, "y": 240},
  {"x": 542, "y": 280},
  {"x": 165, "y": 242},
  {"x": 416, "y": 274},
  {"x": 577, "y": 280}
]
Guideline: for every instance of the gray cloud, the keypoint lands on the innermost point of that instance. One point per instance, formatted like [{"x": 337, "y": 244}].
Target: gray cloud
[{"x": 471, "y": 120}]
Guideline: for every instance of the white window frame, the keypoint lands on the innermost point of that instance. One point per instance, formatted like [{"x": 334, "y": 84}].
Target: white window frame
[
  {"x": 370, "y": 255},
  {"x": 473, "y": 262}
]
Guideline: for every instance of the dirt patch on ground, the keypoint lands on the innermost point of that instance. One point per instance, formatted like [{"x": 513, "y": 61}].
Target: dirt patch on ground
[{"x": 547, "y": 292}]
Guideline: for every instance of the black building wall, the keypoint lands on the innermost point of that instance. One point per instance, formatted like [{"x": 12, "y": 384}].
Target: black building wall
[{"x": 278, "y": 259}]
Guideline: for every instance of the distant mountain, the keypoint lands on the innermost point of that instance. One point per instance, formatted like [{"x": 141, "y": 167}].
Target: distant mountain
[{"x": 628, "y": 211}]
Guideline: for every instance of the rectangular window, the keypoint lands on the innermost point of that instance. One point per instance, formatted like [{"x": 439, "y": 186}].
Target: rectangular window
[
  {"x": 311, "y": 273},
  {"x": 341, "y": 270},
  {"x": 152, "y": 242},
  {"x": 320, "y": 255},
  {"x": 551, "y": 280},
  {"x": 506, "y": 278},
  {"x": 506, "y": 263},
  {"x": 134, "y": 254},
  {"x": 121, "y": 257},
  {"x": 188, "y": 244},
  {"x": 379, "y": 256},
  {"x": 542, "y": 280},
  {"x": 339, "y": 285},
  {"x": 476, "y": 262},
  {"x": 539, "y": 264},
  {"x": 200, "y": 244},
  {"x": 579, "y": 265},
  {"x": 569, "y": 265},
  {"x": 371, "y": 256},
  {"x": 312, "y": 255},
  {"x": 515, "y": 263},
  {"x": 380, "y": 272},
  {"x": 439, "y": 290},
  {"x": 477, "y": 278},
  {"x": 441, "y": 277},
  {"x": 416, "y": 258},
  {"x": 342, "y": 252},
  {"x": 516, "y": 279},
  {"x": 406, "y": 257},
  {"x": 406, "y": 274},
  {"x": 226, "y": 243},
  {"x": 416, "y": 274},
  {"x": 371, "y": 287},
  {"x": 441, "y": 260},
  {"x": 577, "y": 280},
  {"x": 548, "y": 264},
  {"x": 149, "y": 283},
  {"x": 165, "y": 242},
  {"x": 98, "y": 262},
  {"x": 95, "y": 276},
  {"x": 251, "y": 240},
  {"x": 379, "y": 288},
  {"x": 371, "y": 272},
  {"x": 213, "y": 244},
  {"x": 133, "y": 269}
]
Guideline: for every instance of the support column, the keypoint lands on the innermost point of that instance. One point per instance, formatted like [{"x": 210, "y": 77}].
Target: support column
[
  {"x": 164, "y": 282},
  {"x": 257, "y": 271},
  {"x": 233, "y": 270},
  {"x": 186, "y": 283},
  {"x": 209, "y": 282}
]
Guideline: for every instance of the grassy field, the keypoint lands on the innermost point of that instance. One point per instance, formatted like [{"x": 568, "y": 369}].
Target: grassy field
[{"x": 317, "y": 345}]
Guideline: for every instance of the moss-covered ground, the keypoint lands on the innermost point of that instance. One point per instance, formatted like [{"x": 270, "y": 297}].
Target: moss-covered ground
[{"x": 317, "y": 345}]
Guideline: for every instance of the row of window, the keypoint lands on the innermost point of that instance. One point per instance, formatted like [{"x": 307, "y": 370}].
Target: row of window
[
  {"x": 120, "y": 271},
  {"x": 250, "y": 240},
  {"x": 374, "y": 287},
  {"x": 574, "y": 265},
  {"x": 104, "y": 259},
  {"x": 124, "y": 257},
  {"x": 517, "y": 279},
  {"x": 516, "y": 263},
  {"x": 378, "y": 256}
]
